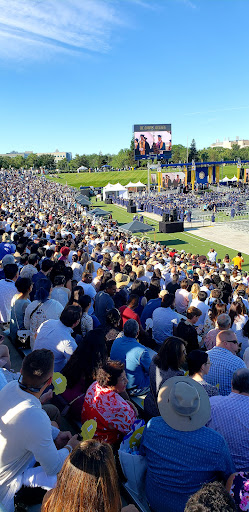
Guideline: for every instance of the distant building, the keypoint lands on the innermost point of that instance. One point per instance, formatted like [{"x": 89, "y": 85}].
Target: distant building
[
  {"x": 58, "y": 155},
  {"x": 227, "y": 144}
]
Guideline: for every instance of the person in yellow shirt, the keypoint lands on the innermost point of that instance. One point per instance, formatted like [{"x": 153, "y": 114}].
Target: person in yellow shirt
[{"x": 238, "y": 260}]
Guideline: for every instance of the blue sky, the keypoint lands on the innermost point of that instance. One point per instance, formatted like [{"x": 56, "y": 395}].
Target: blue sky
[{"x": 77, "y": 74}]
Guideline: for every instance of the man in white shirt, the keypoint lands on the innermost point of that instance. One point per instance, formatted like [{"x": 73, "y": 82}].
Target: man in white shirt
[
  {"x": 26, "y": 434},
  {"x": 56, "y": 335},
  {"x": 212, "y": 255},
  {"x": 7, "y": 291}
]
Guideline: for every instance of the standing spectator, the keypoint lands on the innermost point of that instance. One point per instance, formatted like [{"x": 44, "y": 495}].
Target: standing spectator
[
  {"x": 212, "y": 255},
  {"x": 238, "y": 260}
]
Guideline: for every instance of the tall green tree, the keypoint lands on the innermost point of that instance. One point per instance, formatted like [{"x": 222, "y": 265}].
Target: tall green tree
[
  {"x": 193, "y": 153},
  {"x": 179, "y": 153}
]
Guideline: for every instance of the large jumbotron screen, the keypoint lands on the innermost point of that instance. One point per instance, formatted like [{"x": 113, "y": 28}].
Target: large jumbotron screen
[{"x": 152, "y": 141}]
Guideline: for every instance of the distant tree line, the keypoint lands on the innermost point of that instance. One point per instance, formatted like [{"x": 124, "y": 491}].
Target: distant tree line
[{"x": 124, "y": 158}]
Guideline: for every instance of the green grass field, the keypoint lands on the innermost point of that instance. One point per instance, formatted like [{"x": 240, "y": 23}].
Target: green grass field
[
  {"x": 186, "y": 240},
  {"x": 100, "y": 179}
]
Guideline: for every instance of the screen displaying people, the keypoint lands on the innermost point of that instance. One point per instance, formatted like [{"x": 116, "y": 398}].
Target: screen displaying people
[{"x": 152, "y": 143}]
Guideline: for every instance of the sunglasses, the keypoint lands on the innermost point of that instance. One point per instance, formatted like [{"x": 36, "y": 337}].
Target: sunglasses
[
  {"x": 232, "y": 341},
  {"x": 30, "y": 388}
]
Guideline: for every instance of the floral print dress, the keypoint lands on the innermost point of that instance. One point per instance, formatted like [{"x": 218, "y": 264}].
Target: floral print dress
[{"x": 114, "y": 416}]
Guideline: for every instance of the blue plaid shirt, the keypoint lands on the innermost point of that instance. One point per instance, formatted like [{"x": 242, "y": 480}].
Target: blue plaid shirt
[
  {"x": 230, "y": 417},
  {"x": 223, "y": 366}
]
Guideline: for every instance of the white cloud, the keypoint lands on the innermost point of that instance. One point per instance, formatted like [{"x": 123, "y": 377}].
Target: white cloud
[{"x": 36, "y": 28}]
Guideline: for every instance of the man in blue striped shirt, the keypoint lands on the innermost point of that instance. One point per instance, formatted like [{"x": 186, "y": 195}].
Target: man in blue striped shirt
[
  {"x": 224, "y": 361},
  {"x": 230, "y": 417}
]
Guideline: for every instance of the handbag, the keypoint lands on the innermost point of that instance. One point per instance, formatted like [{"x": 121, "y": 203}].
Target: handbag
[
  {"x": 22, "y": 335},
  {"x": 134, "y": 465}
]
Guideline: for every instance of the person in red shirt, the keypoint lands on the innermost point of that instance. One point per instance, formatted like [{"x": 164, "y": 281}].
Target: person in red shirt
[{"x": 127, "y": 312}]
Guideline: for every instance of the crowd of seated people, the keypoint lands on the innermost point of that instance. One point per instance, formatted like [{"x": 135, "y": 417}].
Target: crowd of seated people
[{"x": 119, "y": 318}]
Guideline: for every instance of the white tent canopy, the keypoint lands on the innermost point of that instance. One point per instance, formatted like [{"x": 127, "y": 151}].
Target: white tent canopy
[
  {"x": 135, "y": 185},
  {"x": 131, "y": 185},
  {"x": 225, "y": 180},
  {"x": 139, "y": 184},
  {"x": 234, "y": 178},
  {"x": 117, "y": 190}
]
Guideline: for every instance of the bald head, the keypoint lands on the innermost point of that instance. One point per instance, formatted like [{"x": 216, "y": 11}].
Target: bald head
[{"x": 227, "y": 339}]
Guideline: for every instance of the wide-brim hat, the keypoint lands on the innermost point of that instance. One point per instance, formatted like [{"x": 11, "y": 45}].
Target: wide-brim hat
[
  {"x": 184, "y": 404},
  {"x": 122, "y": 280}
]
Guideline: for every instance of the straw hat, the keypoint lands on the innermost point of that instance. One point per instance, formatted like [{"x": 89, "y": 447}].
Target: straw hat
[
  {"x": 121, "y": 280},
  {"x": 184, "y": 404}
]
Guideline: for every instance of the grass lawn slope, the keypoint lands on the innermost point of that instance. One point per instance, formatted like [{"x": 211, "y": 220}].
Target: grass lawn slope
[{"x": 100, "y": 179}]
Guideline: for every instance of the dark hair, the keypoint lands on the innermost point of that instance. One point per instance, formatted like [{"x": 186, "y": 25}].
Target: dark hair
[
  {"x": 36, "y": 367},
  {"x": 195, "y": 360},
  {"x": 167, "y": 300},
  {"x": 133, "y": 298},
  {"x": 33, "y": 258},
  {"x": 43, "y": 287},
  {"x": 84, "y": 302},
  {"x": 212, "y": 497},
  {"x": 240, "y": 380},
  {"x": 23, "y": 259},
  {"x": 216, "y": 309},
  {"x": 108, "y": 375},
  {"x": 49, "y": 253},
  {"x": 236, "y": 308},
  {"x": 23, "y": 284},
  {"x": 70, "y": 315},
  {"x": 184, "y": 284},
  {"x": 47, "y": 265},
  {"x": 77, "y": 292},
  {"x": 110, "y": 283},
  {"x": 112, "y": 316},
  {"x": 10, "y": 270},
  {"x": 169, "y": 354},
  {"x": 86, "y": 359},
  {"x": 202, "y": 295},
  {"x": 59, "y": 281},
  {"x": 138, "y": 287}
]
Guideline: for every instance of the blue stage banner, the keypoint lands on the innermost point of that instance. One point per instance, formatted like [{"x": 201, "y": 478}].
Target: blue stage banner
[{"x": 201, "y": 175}]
